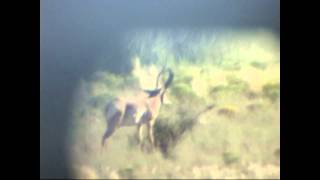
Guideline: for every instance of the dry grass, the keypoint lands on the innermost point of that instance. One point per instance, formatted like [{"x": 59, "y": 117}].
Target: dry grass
[{"x": 239, "y": 138}]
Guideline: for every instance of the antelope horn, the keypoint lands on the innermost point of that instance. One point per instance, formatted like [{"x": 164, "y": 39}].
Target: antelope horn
[
  {"x": 169, "y": 80},
  {"x": 159, "y": 75}
]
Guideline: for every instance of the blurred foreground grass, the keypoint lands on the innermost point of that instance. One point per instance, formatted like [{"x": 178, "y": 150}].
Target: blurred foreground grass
[{"x": 239, "y": 138}]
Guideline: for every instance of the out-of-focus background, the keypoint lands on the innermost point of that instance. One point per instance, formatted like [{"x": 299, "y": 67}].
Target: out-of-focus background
[{"x": 225, "y": 53}]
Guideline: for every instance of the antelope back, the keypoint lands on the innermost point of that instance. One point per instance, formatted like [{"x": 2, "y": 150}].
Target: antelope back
[{"x": 114, "y": 107}]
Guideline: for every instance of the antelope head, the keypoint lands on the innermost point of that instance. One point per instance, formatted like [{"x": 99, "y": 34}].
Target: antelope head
[{"x": 161, "y": 90}]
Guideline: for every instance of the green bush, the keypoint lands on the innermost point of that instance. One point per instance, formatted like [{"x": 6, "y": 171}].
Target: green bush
[
  {"x": 271, "y": 91},
  {"x": 259, "y": 65},
  {"x": 230, "y": 158},
  {"x": 169, "y": 133},
  {"x": 181, "y": 90},
  {"x": 234, "y": 85},
  {"x": 127, "y": 173},
  {"x": 237, "y": 84}
]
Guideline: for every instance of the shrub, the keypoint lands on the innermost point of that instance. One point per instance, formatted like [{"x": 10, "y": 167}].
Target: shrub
[
  {"x": 259, "y": 65},
  {"x": 254, "y": 107},
  {"x": 230, "y": 158},
  {"x": 251, "y": 95},
  {"x": 126, "y": 173},
  {"x": 228, "y": 112},
  {"x": 237, "y": 84},
  {"x": 271, "y": 91},
  {"x": 169, "y": 134}
]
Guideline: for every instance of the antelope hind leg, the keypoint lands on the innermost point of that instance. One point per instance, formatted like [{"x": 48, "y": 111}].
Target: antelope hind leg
[{"x": 112, "y": 124}]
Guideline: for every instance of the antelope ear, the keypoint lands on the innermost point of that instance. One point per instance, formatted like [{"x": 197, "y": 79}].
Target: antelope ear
[{"x": 152, "y": 93}]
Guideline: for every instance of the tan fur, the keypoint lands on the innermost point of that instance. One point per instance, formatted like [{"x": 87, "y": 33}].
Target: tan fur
[{"x": 134, "y": 111}]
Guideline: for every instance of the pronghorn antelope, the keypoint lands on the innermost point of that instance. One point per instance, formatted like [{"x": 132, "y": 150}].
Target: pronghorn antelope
[{"x": 137, "y": 111}]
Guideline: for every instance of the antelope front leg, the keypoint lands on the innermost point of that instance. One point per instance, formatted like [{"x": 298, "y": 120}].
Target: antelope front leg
[
  {"x": 140, "y": 135},
  {"x": 151, "y": 133}
]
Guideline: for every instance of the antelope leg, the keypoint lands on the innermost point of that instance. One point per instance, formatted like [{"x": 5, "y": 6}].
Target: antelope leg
[
  {"x": 112, "y": 123},
  {"x": 151, "y": 134},
  {"x": 140, "y": 136}
]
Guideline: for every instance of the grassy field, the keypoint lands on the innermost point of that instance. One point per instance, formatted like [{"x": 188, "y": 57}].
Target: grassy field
[{"x": 238, "y": 138}]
